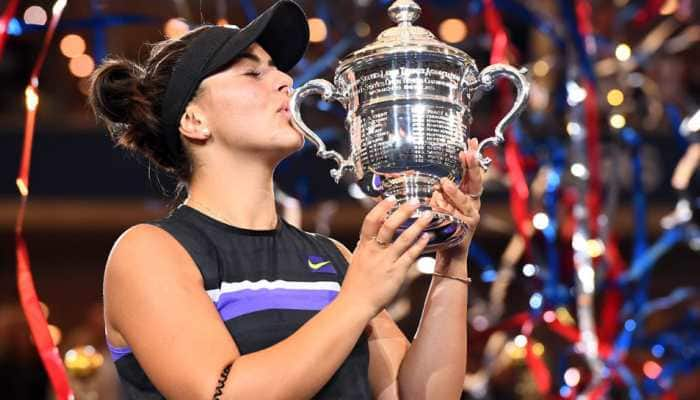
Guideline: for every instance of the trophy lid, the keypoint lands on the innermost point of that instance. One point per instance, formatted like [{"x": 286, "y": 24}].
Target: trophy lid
[{"x": 405, "y": 37}]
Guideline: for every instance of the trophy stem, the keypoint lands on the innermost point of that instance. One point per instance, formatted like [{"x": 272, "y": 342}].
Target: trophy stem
[{"x": 415, "y": 185}]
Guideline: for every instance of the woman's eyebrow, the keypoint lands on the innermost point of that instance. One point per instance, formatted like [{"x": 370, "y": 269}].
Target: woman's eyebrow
[{"x": 255, "y": 58}]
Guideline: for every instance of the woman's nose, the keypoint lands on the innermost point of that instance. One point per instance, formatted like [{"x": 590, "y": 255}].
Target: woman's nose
[{"x": 285, "y": 84}]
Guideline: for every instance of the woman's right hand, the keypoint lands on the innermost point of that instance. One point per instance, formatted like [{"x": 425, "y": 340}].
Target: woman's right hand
[{"x": 378, "y": 266}]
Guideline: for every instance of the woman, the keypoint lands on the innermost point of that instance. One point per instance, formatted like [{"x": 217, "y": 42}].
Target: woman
[{"x": 223, "y": 297}]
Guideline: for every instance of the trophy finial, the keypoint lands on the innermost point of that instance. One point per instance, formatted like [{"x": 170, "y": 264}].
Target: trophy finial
[{"x": 404, "y": 11}]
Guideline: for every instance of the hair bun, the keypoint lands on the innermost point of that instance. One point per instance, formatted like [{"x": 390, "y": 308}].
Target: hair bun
[{"x": 115, "y": 94}]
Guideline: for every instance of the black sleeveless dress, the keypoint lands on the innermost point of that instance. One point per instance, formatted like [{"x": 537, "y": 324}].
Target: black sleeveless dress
[{"x": 265, "y": 285}]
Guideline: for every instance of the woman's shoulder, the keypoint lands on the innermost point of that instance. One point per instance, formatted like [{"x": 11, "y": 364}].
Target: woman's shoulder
[{"x": 145, "y": 251}]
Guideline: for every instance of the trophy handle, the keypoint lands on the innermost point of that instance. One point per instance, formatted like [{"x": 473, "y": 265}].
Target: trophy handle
[
  {"x": 328, "y": 92},
  {"x": 486, "y": 81}
]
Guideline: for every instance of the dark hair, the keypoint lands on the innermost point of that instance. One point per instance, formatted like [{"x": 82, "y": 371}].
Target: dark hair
[{"x": 127, "y": 96}]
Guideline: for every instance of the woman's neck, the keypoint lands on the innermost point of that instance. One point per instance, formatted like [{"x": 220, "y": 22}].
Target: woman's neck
[{"x": 241, "y": 195}]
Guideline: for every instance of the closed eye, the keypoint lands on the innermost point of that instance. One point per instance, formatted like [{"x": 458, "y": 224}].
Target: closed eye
[{"x": 253, "y": 73}]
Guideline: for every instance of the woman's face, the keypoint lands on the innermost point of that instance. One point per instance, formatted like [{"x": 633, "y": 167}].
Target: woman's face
[{"x": 246, "y": 106}]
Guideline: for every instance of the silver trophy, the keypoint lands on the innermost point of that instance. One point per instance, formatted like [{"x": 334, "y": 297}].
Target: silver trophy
[{"x": 407, "y": 97}]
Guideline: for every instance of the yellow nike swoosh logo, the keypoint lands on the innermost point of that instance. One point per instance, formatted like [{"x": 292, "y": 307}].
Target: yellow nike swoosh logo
[{"x": 319, "y": 265}]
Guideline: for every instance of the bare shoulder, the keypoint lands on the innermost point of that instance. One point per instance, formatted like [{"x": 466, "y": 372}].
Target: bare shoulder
[
  {"x": 145, "y": 259},
  {"x": 156, "y": 303},
  {"x": 144, "y": 250}
]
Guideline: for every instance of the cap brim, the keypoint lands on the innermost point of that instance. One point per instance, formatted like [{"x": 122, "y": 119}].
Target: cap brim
[{"x": 282, "y": 30}]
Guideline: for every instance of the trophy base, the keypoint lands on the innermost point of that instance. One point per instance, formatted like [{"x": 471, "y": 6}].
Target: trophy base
[{"x": 445, "y": 230}]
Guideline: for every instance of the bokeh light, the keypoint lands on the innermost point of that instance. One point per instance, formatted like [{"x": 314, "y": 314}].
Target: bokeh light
[
  {"x": 540, "y": 68},
  {"x": 540, "y": 221},
  {"x": 362, "y": 29},
  {"x": 623, "y": 52},
  {"x": 31, "y": 98},
  {"x": 81, "y": 66},
  {"x": 175, "y": 28},
  {"x": 318, "y": 32},
  {"x": 426, "y": 265},
  {"x": 529, "y": 270},
  {"x": 615, "y": 97},
  {"x": 453, "y": 30},
  {"x": 618, "y": 121},
  {"x": 579, "y": 170},
  {"x": 572, "y": 377},
  {"x": 520, "y": 341},
  {"x": 72, "y": 46},
  {"x": 652, "y": 369},
  {"x": 536, "y": 301},
  {"x": 538, "y": 349},
  {"x": 35, "y": 15},
  {"x": 549, "y": 316}
]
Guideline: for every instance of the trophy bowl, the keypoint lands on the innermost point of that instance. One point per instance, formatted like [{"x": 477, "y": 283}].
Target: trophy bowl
[{"x": 408, "y": 97}]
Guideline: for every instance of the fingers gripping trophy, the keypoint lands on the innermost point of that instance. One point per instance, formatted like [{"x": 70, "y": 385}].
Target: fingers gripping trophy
[{"x": 408, "y": 99}]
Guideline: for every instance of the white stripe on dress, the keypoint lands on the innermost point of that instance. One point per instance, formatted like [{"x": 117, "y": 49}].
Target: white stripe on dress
[{"x": 230, "y": 287}]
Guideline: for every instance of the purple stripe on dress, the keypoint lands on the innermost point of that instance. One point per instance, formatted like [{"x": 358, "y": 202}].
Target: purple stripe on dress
[
  {"x": 235, "y": 304},
  {"x": 118, "y": 352}
]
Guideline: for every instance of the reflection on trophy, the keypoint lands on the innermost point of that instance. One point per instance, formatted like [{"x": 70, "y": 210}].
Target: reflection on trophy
[{"x": 407, "y": 97}]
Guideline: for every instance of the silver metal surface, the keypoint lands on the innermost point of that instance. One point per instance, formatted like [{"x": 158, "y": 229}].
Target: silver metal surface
[{"x": 408, "y": 96}]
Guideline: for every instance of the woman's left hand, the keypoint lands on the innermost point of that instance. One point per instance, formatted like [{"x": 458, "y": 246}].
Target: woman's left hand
[{"x": 463, "y": 201}]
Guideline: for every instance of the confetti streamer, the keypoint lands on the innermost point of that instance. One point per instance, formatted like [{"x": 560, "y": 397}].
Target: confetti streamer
[{"x": 48, "y": 352}]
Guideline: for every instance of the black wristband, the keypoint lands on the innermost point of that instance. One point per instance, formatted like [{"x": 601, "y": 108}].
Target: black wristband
[{"x": 222, "y": 382}]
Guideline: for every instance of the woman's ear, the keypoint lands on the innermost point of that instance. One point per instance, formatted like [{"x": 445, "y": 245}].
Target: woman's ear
[{"x": 193, "y": 124}]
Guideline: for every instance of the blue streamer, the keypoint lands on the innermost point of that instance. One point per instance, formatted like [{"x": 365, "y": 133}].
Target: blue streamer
[
  {"x": 646, "y": 261},
  {"x": 522, "y": 13},
  {"x": 677, "y": 296},
  {"x": 326, "y": 60},
  {"x": 630, "y": 382},
  {"x": 550, "y": 200},
  {"x": 675, "y": 118},
  {"x": 482, "y": 258},
  {"x": 104, "y": 21},
  {"x": 626, "y": 14},
  {"x": 631, "y": 137},
  {"x": 99, "y": 35},
  {"x": 249, "y": 10},
  {"x": 571, "y": 23},
  {"x": 323, "y": 12}
]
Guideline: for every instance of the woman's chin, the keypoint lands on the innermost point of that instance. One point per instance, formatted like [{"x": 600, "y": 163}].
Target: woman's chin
[{"x": 288, "y": 142}]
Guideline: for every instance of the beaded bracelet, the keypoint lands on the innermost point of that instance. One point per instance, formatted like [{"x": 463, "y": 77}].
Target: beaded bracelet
[
  {"x": 222, "y": 382},
  {"x": 464, "y": 280}
]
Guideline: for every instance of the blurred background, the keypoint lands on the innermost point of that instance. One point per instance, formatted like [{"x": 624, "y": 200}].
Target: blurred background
[{"x": 583, "y": 184}]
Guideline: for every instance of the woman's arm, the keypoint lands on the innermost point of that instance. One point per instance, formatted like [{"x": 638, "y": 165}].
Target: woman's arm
[
  {"x": 433, "y": 366},
  {"x": 154, "y": 299},
  {"x": 387, "y": 348},
  {"x": 435, "y": 363}
]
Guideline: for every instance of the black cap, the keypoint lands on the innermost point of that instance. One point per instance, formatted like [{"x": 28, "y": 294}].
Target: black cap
[{"x": 282, "y": 30}]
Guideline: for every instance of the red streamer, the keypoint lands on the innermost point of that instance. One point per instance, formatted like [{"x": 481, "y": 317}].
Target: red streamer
[
  {"x": 48, "y": 352},
  {"x": 590, "y": 106},
  {"x": 650, "y": 10},
  {"x": 5, "y": 23},
  {"x": 519, "y": 192},
  {"x": 612, "y": 297},
  {"x": 539, "y": 370},
  {"x": 38, "y": 326}
]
